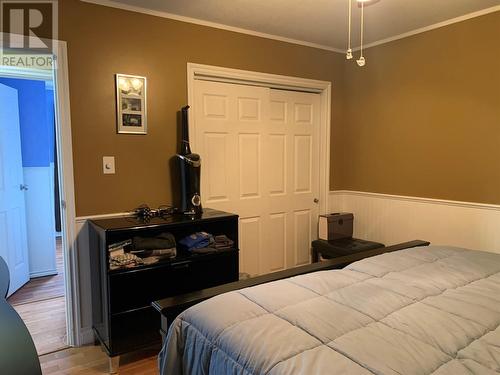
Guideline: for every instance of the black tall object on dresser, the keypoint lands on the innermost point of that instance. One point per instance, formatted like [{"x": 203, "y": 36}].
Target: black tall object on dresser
[
  {"x": 123, "y": 318},
  {"x": 189, "y": 165}
]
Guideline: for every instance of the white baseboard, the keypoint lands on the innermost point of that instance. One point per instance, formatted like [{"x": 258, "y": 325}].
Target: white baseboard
[
  {"x": 87, "y": 336},
  {"x": 392, "y": 219},
  {"x": 43, "y": 273}
]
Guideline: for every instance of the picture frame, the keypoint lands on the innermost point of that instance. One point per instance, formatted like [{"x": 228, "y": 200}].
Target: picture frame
[{"x": 131, "y": 95}]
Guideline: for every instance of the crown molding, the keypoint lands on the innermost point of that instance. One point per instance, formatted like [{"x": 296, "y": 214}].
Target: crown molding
[
  {"x": 438, "y": 25},
  {"x": 157, "y": 13},
  {"x": 196, "y": 21}
]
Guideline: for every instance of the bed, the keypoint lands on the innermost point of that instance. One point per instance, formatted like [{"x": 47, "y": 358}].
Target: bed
[{"x": 424, "y": 310}]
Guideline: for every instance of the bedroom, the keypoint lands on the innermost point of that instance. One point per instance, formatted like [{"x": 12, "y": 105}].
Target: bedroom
[{"x": 413, "y": 150}]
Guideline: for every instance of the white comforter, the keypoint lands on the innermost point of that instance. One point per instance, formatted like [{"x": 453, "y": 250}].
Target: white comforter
[{"x": 428, "y": 310}]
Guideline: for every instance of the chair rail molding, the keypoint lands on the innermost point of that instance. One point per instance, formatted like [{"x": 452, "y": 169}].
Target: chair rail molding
[{"x": 391, "y": 219}]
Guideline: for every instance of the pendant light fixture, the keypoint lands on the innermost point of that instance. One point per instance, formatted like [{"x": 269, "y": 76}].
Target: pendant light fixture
[
  {"x": 361, "y": 4},
  {"x": 361, "y": 61},
  {"x": 349, "y": 50}
]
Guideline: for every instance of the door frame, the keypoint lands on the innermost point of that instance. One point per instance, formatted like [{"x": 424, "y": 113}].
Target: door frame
[
  {"x": 274, "y": 81},
  {"x": 66, "y": 181}
]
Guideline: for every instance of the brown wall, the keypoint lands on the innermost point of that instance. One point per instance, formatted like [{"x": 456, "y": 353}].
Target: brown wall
[
  {"x": 423, "y": 117},
  {"x": 103, "y": 41}
]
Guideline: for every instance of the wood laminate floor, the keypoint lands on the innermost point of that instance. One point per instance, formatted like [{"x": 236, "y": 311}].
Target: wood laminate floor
[
  {"x": 46, "y": 322},
  {"x": 42, "y": 288},
  {"x": 91, "y": 360},
  {"x": 42, "y": 307}
]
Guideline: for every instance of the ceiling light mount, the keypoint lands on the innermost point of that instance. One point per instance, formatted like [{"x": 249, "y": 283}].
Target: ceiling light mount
[{"x": 366, "y": 2}]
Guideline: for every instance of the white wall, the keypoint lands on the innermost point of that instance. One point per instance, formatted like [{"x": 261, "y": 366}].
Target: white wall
[
  {"x": 392, "y": 219},
  {"x": 40, "y": 220}
]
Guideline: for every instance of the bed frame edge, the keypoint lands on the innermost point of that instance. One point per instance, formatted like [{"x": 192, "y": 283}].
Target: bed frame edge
[{"x": 169, "y": 307}]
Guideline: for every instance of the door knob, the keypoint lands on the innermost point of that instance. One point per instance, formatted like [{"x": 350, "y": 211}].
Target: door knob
[
  {"x": 23, "y": 187},
  {"x": 316, "y": 200}
]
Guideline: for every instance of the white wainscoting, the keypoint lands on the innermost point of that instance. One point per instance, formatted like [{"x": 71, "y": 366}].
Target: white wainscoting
[
  {"x": 40, "y": 220},
  {"x": 385, "y": 218},
  {"x": 392, "y": 219},
  {"x": 86, "y": 335}
]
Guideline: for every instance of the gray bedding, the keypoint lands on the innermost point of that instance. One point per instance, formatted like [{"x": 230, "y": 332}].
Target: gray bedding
[{"x": 428, "y": 310}]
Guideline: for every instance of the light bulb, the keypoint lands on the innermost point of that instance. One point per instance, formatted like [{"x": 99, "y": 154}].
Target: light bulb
[
  {"x": 124, "y": 85},
  {"x": 136, "y": 83},
  {"x": 348, "y": 55},
  {"x": 361, "y": 61}
]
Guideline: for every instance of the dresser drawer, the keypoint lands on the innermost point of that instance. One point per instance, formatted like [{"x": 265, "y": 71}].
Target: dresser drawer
[
  {"x": 134, "y": 329},
  {"x": 137, "y": 289}
]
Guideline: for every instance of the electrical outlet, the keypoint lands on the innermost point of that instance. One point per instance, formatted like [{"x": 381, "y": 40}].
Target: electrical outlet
[{"x": 108, "y": 164}]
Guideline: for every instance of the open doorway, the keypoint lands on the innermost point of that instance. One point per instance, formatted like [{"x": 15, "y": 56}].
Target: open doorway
[{"x": 30, "y": 201}]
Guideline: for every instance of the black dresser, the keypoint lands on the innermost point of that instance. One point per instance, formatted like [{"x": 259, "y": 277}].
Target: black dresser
[{"x": 123, "y": 318}]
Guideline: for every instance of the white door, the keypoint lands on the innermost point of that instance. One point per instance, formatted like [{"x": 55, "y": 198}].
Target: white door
[
  {"x": 260, "y": 159},
  {"x": 13, "y": 244}
]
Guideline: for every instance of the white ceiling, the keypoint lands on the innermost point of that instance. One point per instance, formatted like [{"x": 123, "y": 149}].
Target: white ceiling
[{"x": 320, "y": 22}]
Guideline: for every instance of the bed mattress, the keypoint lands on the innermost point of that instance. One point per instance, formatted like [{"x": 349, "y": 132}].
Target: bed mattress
[{"x": 427, "y": 310}]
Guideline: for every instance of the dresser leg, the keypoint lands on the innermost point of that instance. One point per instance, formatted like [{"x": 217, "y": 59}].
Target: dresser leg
[
  {"x": 164, "y": 328},
  {"x": 114, "y": 364}
]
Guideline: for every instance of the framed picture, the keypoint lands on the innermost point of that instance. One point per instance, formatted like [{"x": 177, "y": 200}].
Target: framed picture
[{"x": 131, "y": 104}]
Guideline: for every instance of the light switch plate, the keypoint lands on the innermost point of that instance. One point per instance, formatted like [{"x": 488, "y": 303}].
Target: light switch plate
[{"x": 108, "y": 164}]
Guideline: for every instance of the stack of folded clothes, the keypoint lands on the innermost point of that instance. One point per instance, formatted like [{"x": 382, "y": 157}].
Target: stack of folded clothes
[
  {"x": 222, "y": 242},
  {"x": 125, "y": 260},
  {"x": 203, "y": 242},
  {"x": 153, "y": 249},
  {"x": 197, "y": 242}
]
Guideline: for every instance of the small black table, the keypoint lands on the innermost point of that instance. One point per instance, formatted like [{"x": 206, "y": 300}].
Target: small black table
[{"x": 341, "y": 247}]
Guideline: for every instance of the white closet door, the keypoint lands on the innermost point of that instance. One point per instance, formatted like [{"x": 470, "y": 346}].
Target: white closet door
[
  {"x": 292, "y": 177},
  {"x": 260, "y": 160}
]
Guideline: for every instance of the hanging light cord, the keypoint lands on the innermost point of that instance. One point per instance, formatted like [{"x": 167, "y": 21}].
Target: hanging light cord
[
  {"x": 361, "y": 61},
  {"x": 362, "y": 25},
  {"x": 349, "y": 50}
]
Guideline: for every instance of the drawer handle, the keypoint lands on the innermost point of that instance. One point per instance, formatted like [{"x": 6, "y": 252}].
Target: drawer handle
[{"x": 180, "y": 265}]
